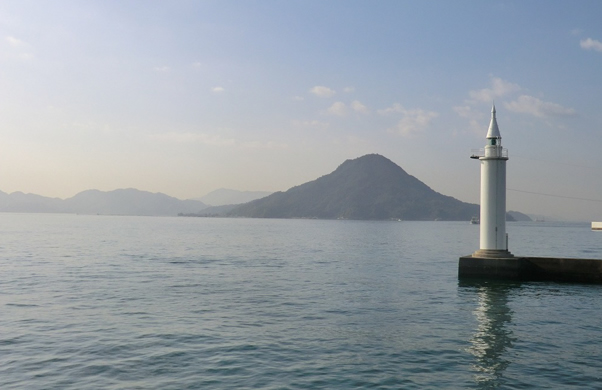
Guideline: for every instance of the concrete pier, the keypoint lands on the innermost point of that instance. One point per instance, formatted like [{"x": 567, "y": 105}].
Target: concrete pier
[{"x": 531, "y": 269}]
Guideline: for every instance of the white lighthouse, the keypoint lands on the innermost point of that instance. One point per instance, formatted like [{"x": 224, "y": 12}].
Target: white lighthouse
[
  {"x": 493, "y": 238},
  {"x": 493, "y": 260}
]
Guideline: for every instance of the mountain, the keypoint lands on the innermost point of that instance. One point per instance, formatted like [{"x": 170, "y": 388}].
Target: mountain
[
  {"x": 118, "y": 202},
  {"x": 225, "y": 196},
  {"x": 212, "y": 211},
  {"x": 518, "y": 216},
  {"x": 369, "y": 187},
  {"x": 130, "y": 202},
  {"x": 19, "y": 202}
]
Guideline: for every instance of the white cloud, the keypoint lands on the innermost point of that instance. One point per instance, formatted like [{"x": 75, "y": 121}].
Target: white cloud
[
  {"x": 531, "y": 105},
  {"x": 396, "y": 107},
  {"x": 215, "y": 140},
  {"x": 322, "y": 91},
  {"x": 498, "y": 88},
  {"x": 359, "y": 107},
  {"x": 363, "y": 145},
  {"x": 348, "y": 89},
  {"x": 473, "y": 117},
  {"x": 414, "y": 121},
  {"x": 207, "y": 139},
  {"x": 298, "y": 98},
  {"x": 162, "y": 68},
  {"x": 338, "y": 108},
  {"x": 218, "y": 89},
  {"x": 21, "y": 50},
  {"x": 591, "y": 44},
  {"x": 22, "y": 56},
  {"x": 464, "y": 111},
  {"x": 197, "y": 64},
  {"x": 263, "y": 145},
  {"x": 14, "y": 42},
  {"x": 312, "y": 124}
]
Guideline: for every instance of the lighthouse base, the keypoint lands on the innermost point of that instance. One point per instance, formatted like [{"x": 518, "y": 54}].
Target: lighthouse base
[
  {"x": 493, "y": 254},
  {"x": 531, "y": 269},
  {"x": 490, "y": 267}
]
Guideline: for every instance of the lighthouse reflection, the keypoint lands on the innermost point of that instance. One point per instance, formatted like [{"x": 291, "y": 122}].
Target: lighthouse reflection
[{"x": 493, "y": 335}]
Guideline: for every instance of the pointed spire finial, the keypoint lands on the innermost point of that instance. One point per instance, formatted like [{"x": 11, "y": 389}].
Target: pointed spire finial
[{"x": 494, "y": 131}]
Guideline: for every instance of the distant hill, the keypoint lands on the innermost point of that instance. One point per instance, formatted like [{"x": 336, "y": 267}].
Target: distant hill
[
  {"x": 225, "y": 196},
  {"x": 371, "y": 187},
  {"x": 118, "y": 202},
  {"x": 518, "y": 216},
  {"x": 212, "y": 211},
  {"x": 29, "y": 203},
  {"x": 130, "y": 202}
]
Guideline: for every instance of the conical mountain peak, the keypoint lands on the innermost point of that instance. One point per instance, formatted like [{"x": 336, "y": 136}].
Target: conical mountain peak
[{"x": 367, "y": 187}]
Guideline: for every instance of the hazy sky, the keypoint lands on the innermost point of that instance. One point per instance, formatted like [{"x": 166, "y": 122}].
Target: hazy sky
[{"x": 184, "y": 97}]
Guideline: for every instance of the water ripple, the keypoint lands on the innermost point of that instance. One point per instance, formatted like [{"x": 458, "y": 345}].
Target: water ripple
[{"x": 178, "y": 303}]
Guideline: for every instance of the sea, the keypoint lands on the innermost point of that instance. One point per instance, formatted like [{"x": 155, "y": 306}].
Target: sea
[{"x": 118, "y": 302}]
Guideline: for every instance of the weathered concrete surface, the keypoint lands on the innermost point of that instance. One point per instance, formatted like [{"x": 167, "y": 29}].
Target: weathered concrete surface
[
  {"x": 566, "y": 270},
  {"x": 493, "y": 268},
  {"x": 532, "y": 268},
  {"x": 492, "y": 254}
]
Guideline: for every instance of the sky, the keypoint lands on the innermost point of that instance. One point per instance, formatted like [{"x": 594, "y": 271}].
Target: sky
[{"x": 185, "y": 97}]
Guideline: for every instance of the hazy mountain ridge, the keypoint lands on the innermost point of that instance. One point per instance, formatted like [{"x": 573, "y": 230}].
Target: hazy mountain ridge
[
  {"x": 225, "y": 196},
  {"x": 128, "y": 201},
  {"x": 29, "y": 203},
  {"x": 518, "y": 216},
  {"x": 368, "y": 187}
]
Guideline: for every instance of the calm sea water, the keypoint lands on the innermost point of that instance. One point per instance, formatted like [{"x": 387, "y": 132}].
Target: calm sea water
[{"x": 100, "y": 302}]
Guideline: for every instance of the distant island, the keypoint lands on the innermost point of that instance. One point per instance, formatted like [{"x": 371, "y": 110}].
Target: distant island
[
  {"x": 370, "y": 187},
  {"x": 118, "y": 202},
  {"x": 225, "y": 196}
]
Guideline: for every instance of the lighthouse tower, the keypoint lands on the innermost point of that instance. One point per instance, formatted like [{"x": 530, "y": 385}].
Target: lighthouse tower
[
  {"x": 493, "y": 238},
  {"x": 493, "y": 260}
]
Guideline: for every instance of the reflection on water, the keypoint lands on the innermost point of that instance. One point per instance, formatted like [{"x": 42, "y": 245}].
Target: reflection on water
[{"x": 493, "y": 336}]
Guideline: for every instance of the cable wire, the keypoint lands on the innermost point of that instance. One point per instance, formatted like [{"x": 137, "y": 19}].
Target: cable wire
[{"x": 556, "y": 196}]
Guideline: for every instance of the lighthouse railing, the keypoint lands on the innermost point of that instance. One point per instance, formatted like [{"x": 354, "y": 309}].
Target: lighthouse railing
[{"x": 478, "y": 153}]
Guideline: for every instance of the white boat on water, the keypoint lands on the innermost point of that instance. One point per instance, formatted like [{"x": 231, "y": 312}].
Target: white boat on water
[{"x": 597, "y": 226}]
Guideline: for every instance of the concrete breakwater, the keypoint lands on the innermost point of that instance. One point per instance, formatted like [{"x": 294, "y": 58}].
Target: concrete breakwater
[{"x": 532, "y": 269}]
